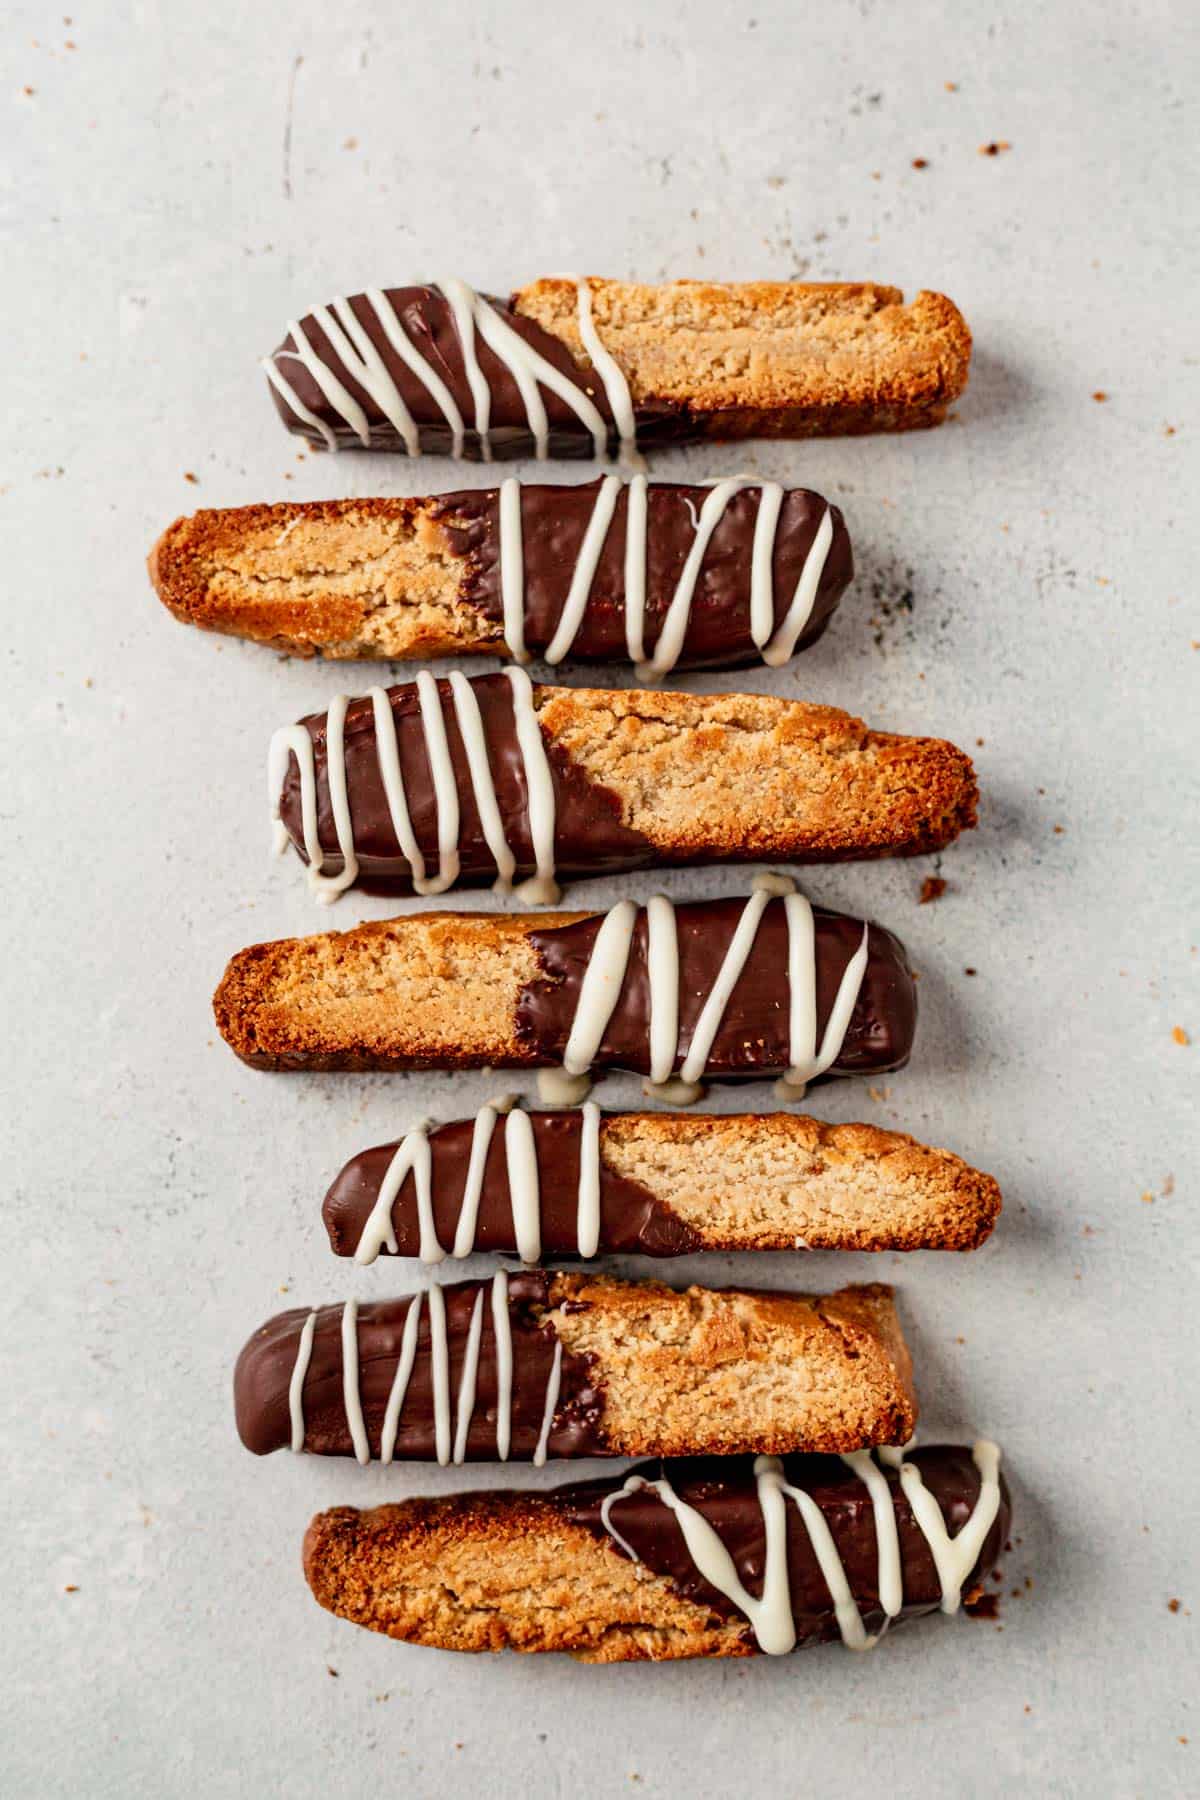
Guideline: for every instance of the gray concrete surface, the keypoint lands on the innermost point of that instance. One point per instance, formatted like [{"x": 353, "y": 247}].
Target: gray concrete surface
[{"x": 177, "y": 180}]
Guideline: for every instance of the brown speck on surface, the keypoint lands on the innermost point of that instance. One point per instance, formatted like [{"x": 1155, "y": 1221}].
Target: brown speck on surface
[
  {"x": 951, "y": 87},
  {"x": 194, "y": 479},
  {"x": 995, "y": 147},
  {"x": 351, "y": 143},
  {"x": 960, "y": 1340},
  {"x": 330, "y": 1670},
  {"x": 1172, "y": 1605},
  {"x": 1059, "y": 830},
  {"x": 1180, "y": 1035},
  {"x": 1100, "y": 396},
  {"x": 1029, "y": 1709},
  {"x": 920, "y": 162},
  {"x": 1168, "y": 431},
  {"x": 970, "y": 971},
  {"x": 979, "y": 743},
  {"x": 29, "y": 92},
  {"x": 1147, "y": 1198},
  {"x": 932, "y": 888},
  {"x": 1168, "y": 1187},
  {"x": 72, "y": 1588}
]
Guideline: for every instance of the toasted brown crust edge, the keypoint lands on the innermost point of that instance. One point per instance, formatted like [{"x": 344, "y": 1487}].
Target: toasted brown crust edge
[
  {"x": 907, "y": 402},
  {"x": 969, "y": 1199},
  {"x": 852, "y": 1335},
  {"x": 594, "y": 1604},
  {"x": 180, "y": 563}
]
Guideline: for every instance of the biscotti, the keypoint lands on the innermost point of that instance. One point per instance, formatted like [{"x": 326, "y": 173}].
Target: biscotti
[
  {"x": 539, "y": 1364},
  {"x": 429, "y": 784},
  {"x": 711, "y": 1557},
  {"x": 660, "y": 575},
  {"x": 575, "y": 367},
  {"x": 709, "y": 988},
  {"x": 539, "y": 1184}
]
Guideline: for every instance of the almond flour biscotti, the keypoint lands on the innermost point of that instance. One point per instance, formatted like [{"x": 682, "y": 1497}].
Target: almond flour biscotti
[
  {"x": 677, "y": 1559},
  {"x": 540, "y": 1364},
  {"x": 709, "y": 988},
  {"x": 663, "y": 576},
  {"x": 576, "y": 366},
  {"x": 580, "y": 1183},
  {"x": 428, "y": 784}
]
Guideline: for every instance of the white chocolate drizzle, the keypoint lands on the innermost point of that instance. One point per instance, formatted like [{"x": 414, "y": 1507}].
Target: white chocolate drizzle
[
  {"x": 296, "y": 1384},
  {"x": 294, "y": 740},
  {"x": 774, "y": 646},
  {"x": 414, "y": 1155},
  {"x": 474, "y": 316},
  {"x": 351, "y": 1392},
  {"x": 452, "y": 1424},
  {"x": 604, "y": 978},
  {"x": 770, "y": 1614}
]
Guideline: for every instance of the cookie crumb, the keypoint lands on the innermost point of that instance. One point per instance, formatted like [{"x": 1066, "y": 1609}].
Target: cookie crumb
[
  {"x": 920, "y": 162},
  {"x": 72, "y": 1588},
  {"x": 194, "y": 479},
  {"x": 970, "y": 971},
  {"x": 932, "y": 888},
  {"x": 330, "y": 1670},
  {"x": 985, "y": 1606},
  {"x": 995, "y": 147},
  {"x": 951, "y": 87},
  {"x": 1180, "y": 1035},
  {"x": 1100, "y": 396},
  {"x": 1172, "y": 1605}
]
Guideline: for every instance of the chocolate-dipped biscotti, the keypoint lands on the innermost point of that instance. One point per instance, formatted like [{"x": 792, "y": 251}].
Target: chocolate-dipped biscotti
[
  {"x": 760, "y": 986},
  {"x": 707, "y": 1557},
  {"x": 541, "y": 1364},
  {"x": 663, "y": 576},
  {"x": 576, "y": 366},
  {"x": 428, "y": 784},
  {"x": 581, "y": 1183}
]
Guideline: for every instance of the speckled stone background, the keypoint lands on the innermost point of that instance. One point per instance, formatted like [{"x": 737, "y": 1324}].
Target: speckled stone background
[{"x": 177, "y": 181}]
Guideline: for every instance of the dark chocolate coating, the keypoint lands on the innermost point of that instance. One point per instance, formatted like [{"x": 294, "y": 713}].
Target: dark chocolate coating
[
  {"x": 554, "y": 521},
  {"x": 753, "y": 1038},
  {"x": 589, "y": 837},
  {"x": 631, "y": 1218},
  {"x": 723, "y": 1489},
  {"x": 425, "y": 315},
  {"x": 264, "y": 1371}
]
